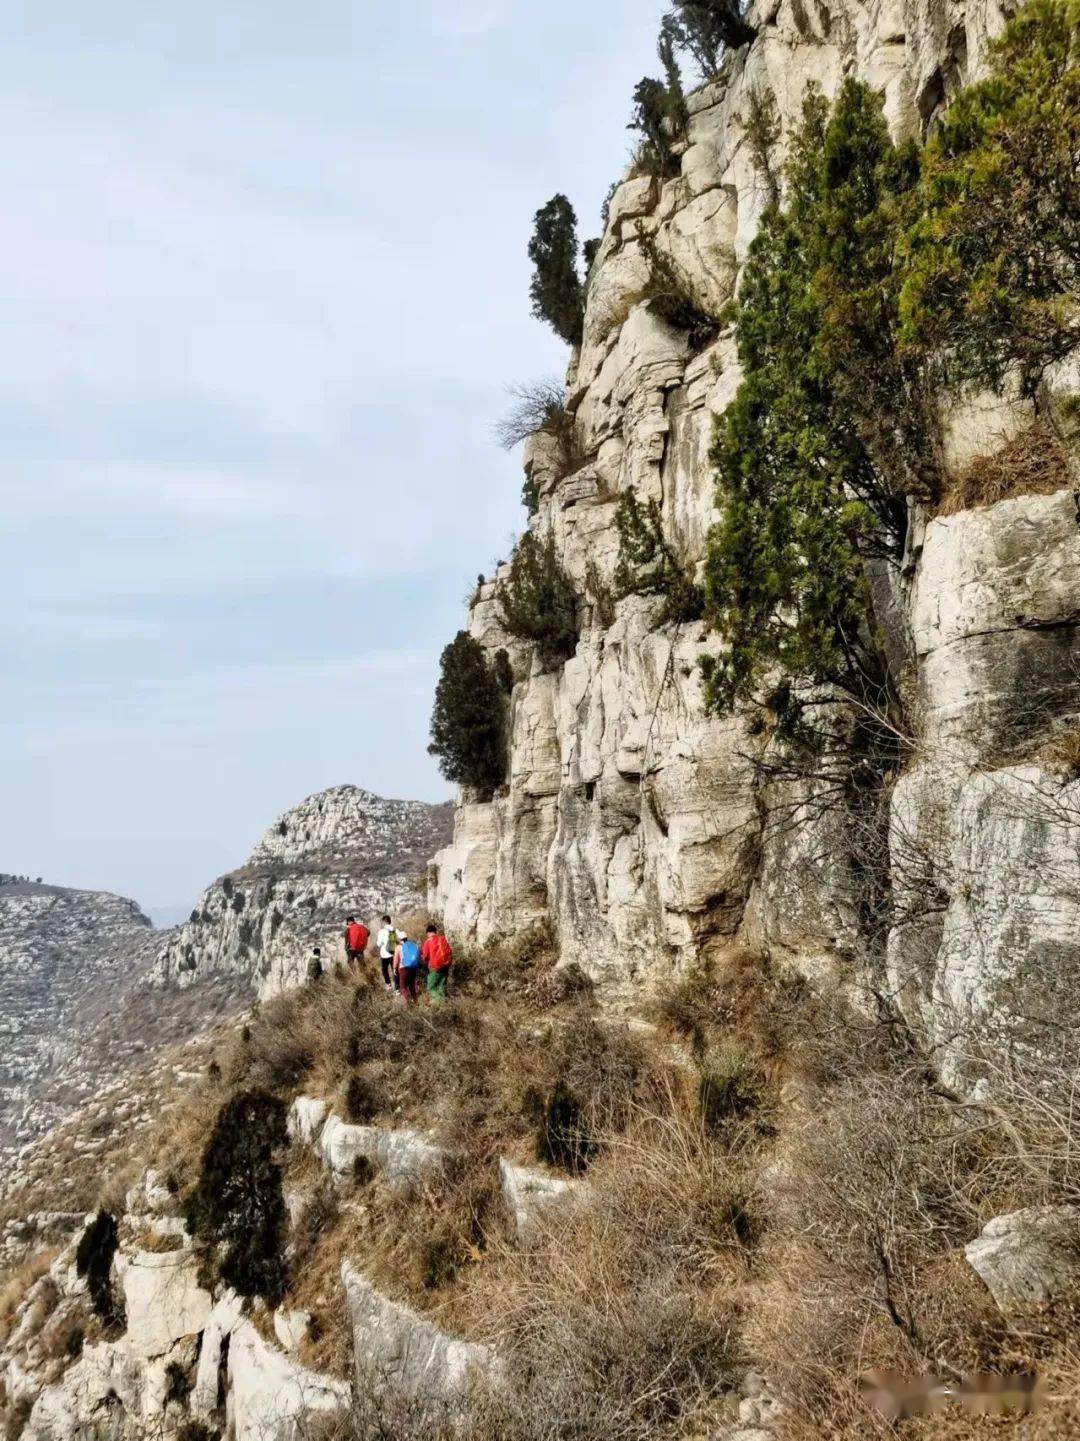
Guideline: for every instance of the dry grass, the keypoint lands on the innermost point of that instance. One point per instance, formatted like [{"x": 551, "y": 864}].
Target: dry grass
[
  {"x": 1032, "y": 463},
  {"x": 617, "y": 1317},
  {"x": 15, "y": 1283}
]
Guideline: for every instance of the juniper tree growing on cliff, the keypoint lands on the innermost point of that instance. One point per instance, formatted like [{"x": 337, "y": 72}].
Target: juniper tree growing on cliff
[
  {"x": 803, "y": 500},
  {"x": 238, "y": 1203},
  {"x": 468, "y": 730},
  {"x": 660, "y": 113},
  {"x": 993, "y": 261},
  {"x": 556, "y": 291},
  {"x": 706, "y": 29},
  {"x": 537, "y": 601}
]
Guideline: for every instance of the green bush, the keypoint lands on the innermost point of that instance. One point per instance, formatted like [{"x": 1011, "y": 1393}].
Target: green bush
[
  {"x": 238, "y": 1203},
  {"x": 468, "y": 724},
  {"x": 93, "y": 1262},
  {"x": 363, "y": 1100},
  {"x": 649, "y": 566},
  {"x": 993, "y": 260},
  {"x": 537, "y": 601},
  {"x": 557, "y": 294}
]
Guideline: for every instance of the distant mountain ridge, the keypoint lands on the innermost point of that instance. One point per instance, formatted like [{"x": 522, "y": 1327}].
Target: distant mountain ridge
[
  {"x": 72, "y": 964},
  {"x": 339, "y": 852}
]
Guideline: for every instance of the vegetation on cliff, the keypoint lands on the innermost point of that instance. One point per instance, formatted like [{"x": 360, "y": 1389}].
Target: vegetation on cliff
[
  {"x": 884, "y": 273},
  {"x": 537, "y": 600},
  {"x": 991, "y": 274},
  {"x": 468, "y": 724}
]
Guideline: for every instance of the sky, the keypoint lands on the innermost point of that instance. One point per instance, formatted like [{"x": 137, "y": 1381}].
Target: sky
[{"x": 264, "y": 287}]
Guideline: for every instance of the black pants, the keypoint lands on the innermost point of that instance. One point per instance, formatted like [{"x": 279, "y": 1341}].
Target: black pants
[
  {"x": 354, "y": 957},
  {"x": 387, "y": 963},
  {"x": 409, "y": 982}
]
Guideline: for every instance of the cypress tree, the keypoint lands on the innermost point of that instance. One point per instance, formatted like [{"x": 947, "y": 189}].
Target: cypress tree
[
  {"x": 557, "y": 294},
  {"x": 468, "y": 729},
  {"x": 238, "y": 1202}
]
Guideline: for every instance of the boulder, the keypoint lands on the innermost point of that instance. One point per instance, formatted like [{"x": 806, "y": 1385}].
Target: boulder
[
  {"x": 404, "y": 1157},
  {"x": 162, "y": 1299},
  {"x": 528, "y": 1192},
  {"x": 291, "y": 1327},
  {"x": 1028, "y": 1256},
  {"x": 397, "y": 1348},
  {"x": 272, "y": 1397}
]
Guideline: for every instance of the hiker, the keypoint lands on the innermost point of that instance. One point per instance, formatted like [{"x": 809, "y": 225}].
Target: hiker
[
  {"x": 357, "y": 936},
  {"x": 387, "y": 942},
  {"x": 407, "y": 966},
  {"x": 315, "y": 968},
  {"x": 438, "y": 957}
]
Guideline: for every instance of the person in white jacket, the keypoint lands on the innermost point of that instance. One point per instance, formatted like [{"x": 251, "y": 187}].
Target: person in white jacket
[{"x": 386, "y": 941}]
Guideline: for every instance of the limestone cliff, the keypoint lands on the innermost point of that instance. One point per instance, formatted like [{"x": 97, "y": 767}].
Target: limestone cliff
[
  {"x": 644, "y": 828},
  {"x": 338, "y": 852}
]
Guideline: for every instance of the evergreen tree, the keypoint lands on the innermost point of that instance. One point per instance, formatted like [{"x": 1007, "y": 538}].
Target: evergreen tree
[
  {"x": 537, "y": 601},
  {"x": 468, "y": 729},
  {"x": 238, "y": 1202},
  {"x": 93, "y": 1262},
  {"x": 708, "y": 28},
  {"x": 993, "y": 263},
  {"x": 556, "y": 291},
  {"x": 802, "y": 499}
]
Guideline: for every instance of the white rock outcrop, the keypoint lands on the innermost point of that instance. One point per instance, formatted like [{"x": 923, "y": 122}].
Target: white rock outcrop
[
  {"x": 528, "y": 1192},
  {"x": 397, "y": 1348},
  {"x": 344, "y": 851},
  {"x": 1029, "y": 1256},
  {"x": 163, "y": 1300},
  {"x": 271, "y": 1396},
  {"x": 403, "y": 1157}
]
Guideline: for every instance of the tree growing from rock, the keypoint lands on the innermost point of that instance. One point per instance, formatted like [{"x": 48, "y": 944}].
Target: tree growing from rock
[
  {"x": 537, "y": 601},
  {"x": 706, "y": 29},
  {"x": 238, "y": 1204},
  {"x": 468, "y": 726},
  {"x": 805, "y": 488},
  {"x": 558, "y": 296},
  {"x": 93, "y": 1262},
  {"x": 993, "y": 263}
]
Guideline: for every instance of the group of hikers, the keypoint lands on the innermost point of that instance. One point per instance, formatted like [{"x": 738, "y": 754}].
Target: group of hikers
[{"x": 408, "y": 967}]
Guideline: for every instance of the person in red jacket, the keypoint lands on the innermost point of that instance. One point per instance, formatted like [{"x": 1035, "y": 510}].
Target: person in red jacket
[
  {"x": 357, "y": 936},
  {"x": 438, "y": 957}
]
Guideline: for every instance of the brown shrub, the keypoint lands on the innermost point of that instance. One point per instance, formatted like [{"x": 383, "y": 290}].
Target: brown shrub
[
  {"x": 1032, "y": 463},
  {"x": 17, "y": 1281},
  {"x": 616, "y": 1315}
]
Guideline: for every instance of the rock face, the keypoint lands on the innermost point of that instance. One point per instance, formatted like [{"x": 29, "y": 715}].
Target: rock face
[
  {"x": 398, "y": 1348},
  {"x": 341, "y": 852},
  {"x": 650, "y": 834}
]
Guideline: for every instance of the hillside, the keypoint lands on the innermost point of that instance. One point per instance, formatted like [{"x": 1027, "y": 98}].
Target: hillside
[
  {"x": 340, "y": 852},
  {"x": 74, "y": 1014},
  {"x": 751, "y": 1113}
]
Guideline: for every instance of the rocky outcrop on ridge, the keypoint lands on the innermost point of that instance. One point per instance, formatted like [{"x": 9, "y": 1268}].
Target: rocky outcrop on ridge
[
  {"x": 649, "y": 833},
  {"x": 341, "y": 852}
]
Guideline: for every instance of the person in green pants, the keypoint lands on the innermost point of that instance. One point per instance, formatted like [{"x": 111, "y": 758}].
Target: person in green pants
[{"x": 438, "y": 957}]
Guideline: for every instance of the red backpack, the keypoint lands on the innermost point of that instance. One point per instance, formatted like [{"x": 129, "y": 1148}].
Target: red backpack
[
  {"x": 358, "y": 937},
  {"x": 439, "y": 953}
]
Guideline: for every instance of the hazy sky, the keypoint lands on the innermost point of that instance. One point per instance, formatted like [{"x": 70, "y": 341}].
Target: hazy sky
[{"x": 264, "y": 285}]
